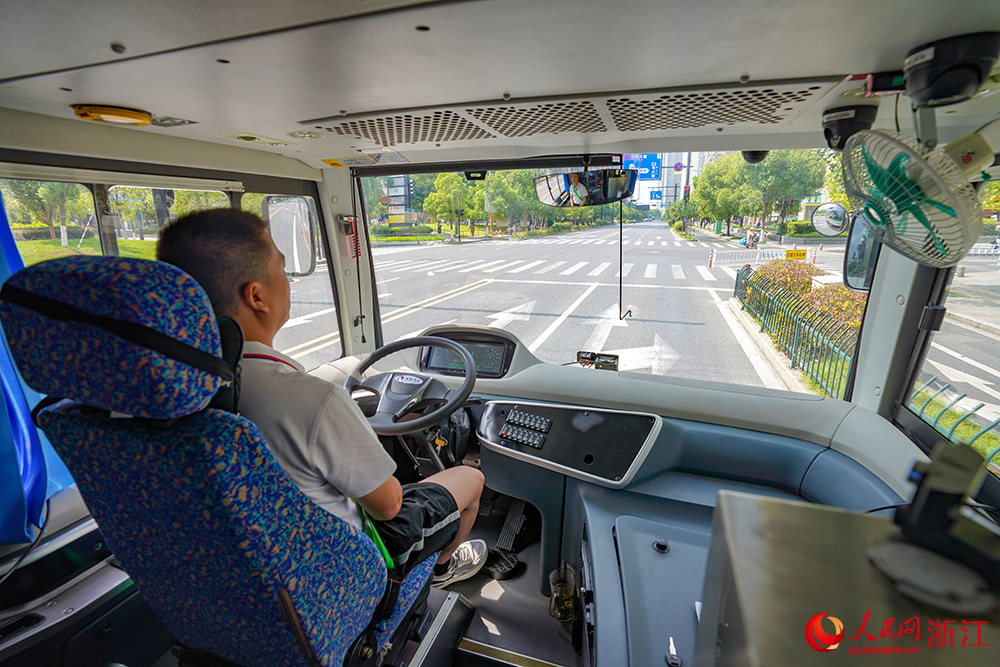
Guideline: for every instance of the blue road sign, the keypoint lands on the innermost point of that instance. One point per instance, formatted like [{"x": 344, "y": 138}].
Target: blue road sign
[
  {"x": 649, "y": 167},
  {"x": 647, "y": 164},
  {"x": 656, "y": 195},
  {"x": 678, "y": 166}
]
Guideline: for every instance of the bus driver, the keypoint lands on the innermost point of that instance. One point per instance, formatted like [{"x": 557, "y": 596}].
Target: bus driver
[{"x": 313, "y": 428}]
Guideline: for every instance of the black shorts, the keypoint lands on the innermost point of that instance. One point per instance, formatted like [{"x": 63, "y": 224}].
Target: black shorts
[{"x": 426, "y": 523}]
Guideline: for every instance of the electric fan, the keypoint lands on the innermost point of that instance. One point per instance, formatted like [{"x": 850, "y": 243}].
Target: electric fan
[{"x": 918, "y": 202}]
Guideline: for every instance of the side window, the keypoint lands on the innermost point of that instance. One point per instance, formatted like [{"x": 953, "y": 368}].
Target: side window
[
  {"x": 137, "y": 214},
  {"x": 957, "y": 390},
  {"x": 312, "y": 334},
  {"x": 50, "y": 219}
]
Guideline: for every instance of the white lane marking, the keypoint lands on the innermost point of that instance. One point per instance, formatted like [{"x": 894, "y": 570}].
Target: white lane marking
[
  {"x": 384, "y": 294},
  {"x": 612, "y": 241},
  {"x": 664, "y": 244},
  {"x": 573, "y": 269},
  {"x": 598, "y": 241},
  {"x": 451, "y": 266},
  {"x": 562, "y": 318},
  {"x": 589, "y": 241},
  {"x": 575, "y": 241},
  {"x": 626, "y": 268},
  {"x": 476, "y": 268},
  {"x": 387, "y": 280},
  {"x": 601, "y": 268},
  {"x": 764, "y": 372},
  {"x": 678, "y": 272},
  {"x": 650, "y": 271},
  {"x": 651, "y": 243},
  {"x": 705, "y": 273},
  {"x": 463, "y": 264},
  {"x": 701, "y": 245},
  {"x": 417, "y": 267},
  {"x": 398, "y": 263},
  {"x": 971, "y": 362},
  {"x": 625, "y": 242},
  {"x": 384, "y": 263},
  {"x": 529, "y": 265},
  {"x": 503, "y": 266},
  {"x": 519, "y": 313},
  {"x": 677, "y": 243},
  {"x": 550, "y": 267},
  {"x": 729, "y": 272}
]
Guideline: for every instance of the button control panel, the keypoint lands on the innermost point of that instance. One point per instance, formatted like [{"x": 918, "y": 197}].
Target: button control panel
[
  {"x": 525, "y": 429},
  {"x": 519, "y": 418}
]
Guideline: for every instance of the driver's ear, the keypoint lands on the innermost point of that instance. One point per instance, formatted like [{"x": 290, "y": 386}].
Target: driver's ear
[{"x": 253, "y": 297}]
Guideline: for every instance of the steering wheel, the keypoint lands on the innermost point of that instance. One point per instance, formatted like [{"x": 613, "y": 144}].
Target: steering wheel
[{"x": 400, "y": 393}]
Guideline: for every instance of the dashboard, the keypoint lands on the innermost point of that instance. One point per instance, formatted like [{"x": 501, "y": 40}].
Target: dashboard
[{"x": 492, "y": 354}]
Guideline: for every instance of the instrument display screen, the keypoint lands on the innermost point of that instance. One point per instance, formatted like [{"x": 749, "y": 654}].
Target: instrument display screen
[{"x": 489, "y": 358}]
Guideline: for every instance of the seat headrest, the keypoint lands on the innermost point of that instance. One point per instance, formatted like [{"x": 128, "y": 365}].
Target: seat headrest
[{"x": 95, "y": 365}]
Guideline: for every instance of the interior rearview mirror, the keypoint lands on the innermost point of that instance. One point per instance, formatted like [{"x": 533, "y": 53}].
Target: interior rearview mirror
[
  {"x": 586, "y": 188},
  {"x": 290, "y": 222},
  {"x": 860, "y": 255},
  {"x": 830, "y": 219}
]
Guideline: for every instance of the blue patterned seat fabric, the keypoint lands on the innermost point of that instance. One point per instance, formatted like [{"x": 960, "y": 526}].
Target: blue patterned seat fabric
[{"x": 198, "y": 511}]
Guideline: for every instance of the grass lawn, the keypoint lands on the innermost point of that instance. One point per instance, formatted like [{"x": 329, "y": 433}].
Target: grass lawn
[
  {"x": 41, "y": 250},
  {"x": 392, "y": 239},
  {"x": 984, "y": 444}
]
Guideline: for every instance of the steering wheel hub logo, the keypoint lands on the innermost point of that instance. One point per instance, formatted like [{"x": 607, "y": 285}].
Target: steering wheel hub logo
[
  {"x": 819, "y": 638},
  {"x": 409, "y": 379}
]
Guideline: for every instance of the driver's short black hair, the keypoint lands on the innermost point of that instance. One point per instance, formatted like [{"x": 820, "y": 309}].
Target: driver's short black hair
[{"x": 223, "y": 249}]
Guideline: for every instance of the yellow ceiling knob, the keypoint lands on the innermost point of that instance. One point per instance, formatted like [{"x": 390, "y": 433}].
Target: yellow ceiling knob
[{"x": 112, "y": 115}]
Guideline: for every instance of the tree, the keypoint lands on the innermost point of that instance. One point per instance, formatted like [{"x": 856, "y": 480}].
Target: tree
[
  {"x": 682, "y": 210},
  {"x": 834, "y": 180},
  {"x": 451, "y": 197},
  {"x": 991, "y": 197},
  {"x": 786, "y": 175}
]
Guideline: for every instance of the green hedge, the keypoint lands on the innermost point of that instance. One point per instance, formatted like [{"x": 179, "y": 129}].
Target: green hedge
[
  {"x": 990, "y": 227},
  {"x": 41, "y": 232}
]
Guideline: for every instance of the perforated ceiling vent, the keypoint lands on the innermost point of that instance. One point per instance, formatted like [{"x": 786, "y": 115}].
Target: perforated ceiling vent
[
  {"x": 436, "y": 127},
  {"x": 638, "y": 111},
  {"x": 697, "y": 109},
  {"x": 547, "y": 118}
]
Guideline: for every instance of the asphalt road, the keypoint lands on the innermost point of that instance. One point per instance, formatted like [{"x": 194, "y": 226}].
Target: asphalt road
[{"x": 558, "y": 294}]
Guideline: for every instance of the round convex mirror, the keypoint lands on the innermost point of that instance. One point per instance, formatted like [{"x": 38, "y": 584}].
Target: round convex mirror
[{"x": 830, "y": 219}]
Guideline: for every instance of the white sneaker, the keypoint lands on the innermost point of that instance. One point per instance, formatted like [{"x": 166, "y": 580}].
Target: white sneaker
[{"x": 467, "y": 560}]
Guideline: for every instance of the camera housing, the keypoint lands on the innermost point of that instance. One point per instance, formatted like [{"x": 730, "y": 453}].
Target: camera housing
[
  {"x": 950, "y": 70},
  {"x": 753, "y": 157},
  {"x": 839, "y": 123}
]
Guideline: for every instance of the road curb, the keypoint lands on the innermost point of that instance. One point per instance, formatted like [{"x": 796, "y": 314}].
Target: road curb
[
  {"x": 779, "y": 364},
  {"x": 977, "y": 324}
]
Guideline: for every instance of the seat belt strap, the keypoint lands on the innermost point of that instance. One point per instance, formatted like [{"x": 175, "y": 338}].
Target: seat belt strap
[{"x": 368, "y": 527}]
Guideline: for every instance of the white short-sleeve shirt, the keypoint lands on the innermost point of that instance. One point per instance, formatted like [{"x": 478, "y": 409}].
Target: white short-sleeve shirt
[{"x": 314, "y": 430}]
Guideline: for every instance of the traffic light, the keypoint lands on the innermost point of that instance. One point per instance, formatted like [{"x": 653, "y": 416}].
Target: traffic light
[{"x": 687, "y": 192}]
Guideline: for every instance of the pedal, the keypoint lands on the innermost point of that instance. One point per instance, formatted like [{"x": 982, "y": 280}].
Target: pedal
[
  {"x": 503, "y": 565},
  {"x": 485, "y": 507},
  {"x": 511, "y": 526}
]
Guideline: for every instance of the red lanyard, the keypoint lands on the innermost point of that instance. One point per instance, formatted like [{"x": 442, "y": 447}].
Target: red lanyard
[{"x": 269, "y": 358}]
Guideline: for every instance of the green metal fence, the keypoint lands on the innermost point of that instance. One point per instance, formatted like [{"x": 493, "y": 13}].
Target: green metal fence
[{"x": 818, "y": 345}]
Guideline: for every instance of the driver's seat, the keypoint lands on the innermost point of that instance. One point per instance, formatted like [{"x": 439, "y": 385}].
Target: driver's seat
[{"x": 231, "y": 556}]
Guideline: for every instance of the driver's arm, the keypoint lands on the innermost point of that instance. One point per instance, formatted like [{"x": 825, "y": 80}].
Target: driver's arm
[{"x": 384, "y": 502}]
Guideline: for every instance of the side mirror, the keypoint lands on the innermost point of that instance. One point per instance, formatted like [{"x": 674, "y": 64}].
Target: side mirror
[
  {"x": 587, "y": 188},
  {"x": 291, "y": 221},
  {"x": 830, "y": 219},
  {"x": 861, "y": 255}
]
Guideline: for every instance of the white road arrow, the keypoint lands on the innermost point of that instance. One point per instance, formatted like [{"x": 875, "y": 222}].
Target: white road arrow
[
  {"x": 608, "y": 321},
  {"x": 306, "y": 319},
  {"x": 516, "y": 314},
  {"x": 659, "y": 357},
  {"x": 954, "y": 375}
]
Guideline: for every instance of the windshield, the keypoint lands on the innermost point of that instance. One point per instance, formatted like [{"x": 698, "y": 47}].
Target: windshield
[{"x": 667, "y": 293}]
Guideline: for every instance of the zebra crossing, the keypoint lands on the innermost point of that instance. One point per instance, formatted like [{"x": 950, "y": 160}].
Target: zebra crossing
[
  {"x": 640, "y": 243},
  {"x": 657, "y": 272}
]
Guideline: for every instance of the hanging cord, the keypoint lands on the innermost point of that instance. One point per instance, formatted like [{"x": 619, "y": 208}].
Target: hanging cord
[
  {"x": 355, "y": 193},
  {"x": 621, "y": 257},
  {"x": 38, "y": 538}
]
